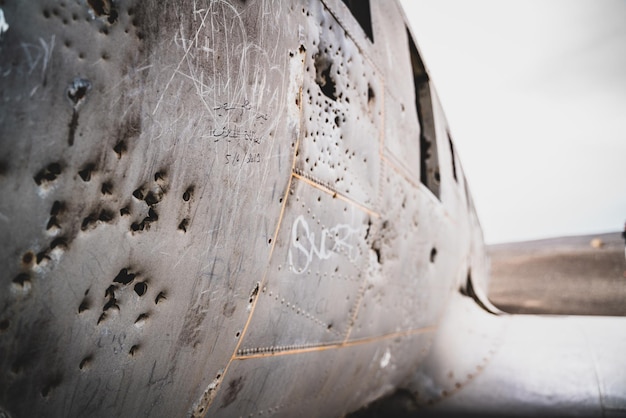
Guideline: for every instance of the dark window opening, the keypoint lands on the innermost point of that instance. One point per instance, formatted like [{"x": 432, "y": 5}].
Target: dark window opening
[
  {"x": 360, "y": 9},
  {"x": 453, "y": 158},
  {"x": 429, "y": 159}
]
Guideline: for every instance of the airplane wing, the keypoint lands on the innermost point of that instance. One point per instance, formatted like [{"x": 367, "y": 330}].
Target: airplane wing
[
  {"x": 525, "y": 365},
  {"x": 481, "y": 364}
]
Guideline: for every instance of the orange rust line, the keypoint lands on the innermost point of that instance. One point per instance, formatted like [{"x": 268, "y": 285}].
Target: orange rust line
[
  {"x": 335, "y": 194},
  {"x": 337, "y": 345},
  {"x": 278, "y": 224},
  {"x": 357, "y": 308},
  {"x": 263, "y": 280}
]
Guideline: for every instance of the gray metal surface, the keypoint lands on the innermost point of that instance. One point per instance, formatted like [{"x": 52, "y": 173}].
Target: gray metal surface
[{"x": 215, "y": 208}]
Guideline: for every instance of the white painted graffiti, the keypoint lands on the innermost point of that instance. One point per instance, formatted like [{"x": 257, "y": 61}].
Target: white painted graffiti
[{"x": 332, "y": 241}]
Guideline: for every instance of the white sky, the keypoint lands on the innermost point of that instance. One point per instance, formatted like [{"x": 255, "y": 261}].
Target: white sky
[{"x": 535, "y": 95}]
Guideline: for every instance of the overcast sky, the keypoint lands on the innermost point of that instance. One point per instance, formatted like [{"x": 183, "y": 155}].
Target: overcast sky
[{"x": 535, "y": 95}]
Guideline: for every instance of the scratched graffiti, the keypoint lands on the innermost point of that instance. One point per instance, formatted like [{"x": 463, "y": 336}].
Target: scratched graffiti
[
  {"x": 234, "y": 72},
  {"x": 304, "y": 247},
  {"x": 35, "y": 58}
]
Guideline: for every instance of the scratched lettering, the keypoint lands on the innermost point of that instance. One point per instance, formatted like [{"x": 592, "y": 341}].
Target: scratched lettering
[
  {"x": 226, "y": 134},
  {"x": 234, "y": 93},
  {"x": 237, "y": 159},
  {"x": 304, "y": 246},
  {"x": 242, "y": 108}
]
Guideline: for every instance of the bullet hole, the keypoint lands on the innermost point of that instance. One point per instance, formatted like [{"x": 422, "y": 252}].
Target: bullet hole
[
  {"x": 21, "y": 279},
  {"x": 145, "y": 224},
  {"x": 84, "y": 305},
  {"x": 111, "y": 304},
  {"x": 88, "y": 221},
  {"x": 124, "y": 277},
  {"x": 28, "y": 257},
  {"x": 53, "y": 222},
  {"x": 105, "y": 216},
  {"x": 57, "y": 208},
  {"x": 141, "y": 318},
  {"x": 138, "y": 194},
  {"x": 183, "y": 225},
  {"x": 85, "y": 172},
  {"x": 120, "y": 148},
  {"x": 329, "y": 327},
  {"x": 254, "y": 292},
  {"x": 133, "y": 350},
  {"x": 51, "y": 384},
  {"x": 159, "y": 176},
  {"x": 269, "y": 241},
  {"x": 77, "y": 91},
  {"x": 125, "y": 211},
  {"x": 141, "y": 288},
  {"x": 60, "y": 243},
  {"x": 188, "y": 193},
  {"x": 433, "y": 255},
  {"x": 110, "y": 291},
  {"x": 4, "y": 325},
  {"x": 105, "y": 9},
  {"x": 370, "y": 95},
  {"x": 323, "y": 76},
  {"x": 151, "y": 199},
  {"x": 106, "y": 188},
  {"x": 85, "y": 362},
  {"x": 159, "y": 298},
  {"x": 41, "y": 256},
  {"x": 49, "y": 173}
]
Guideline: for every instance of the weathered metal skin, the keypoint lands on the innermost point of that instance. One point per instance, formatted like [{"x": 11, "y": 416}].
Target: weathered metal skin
[{"x": 215, "y": 208}]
